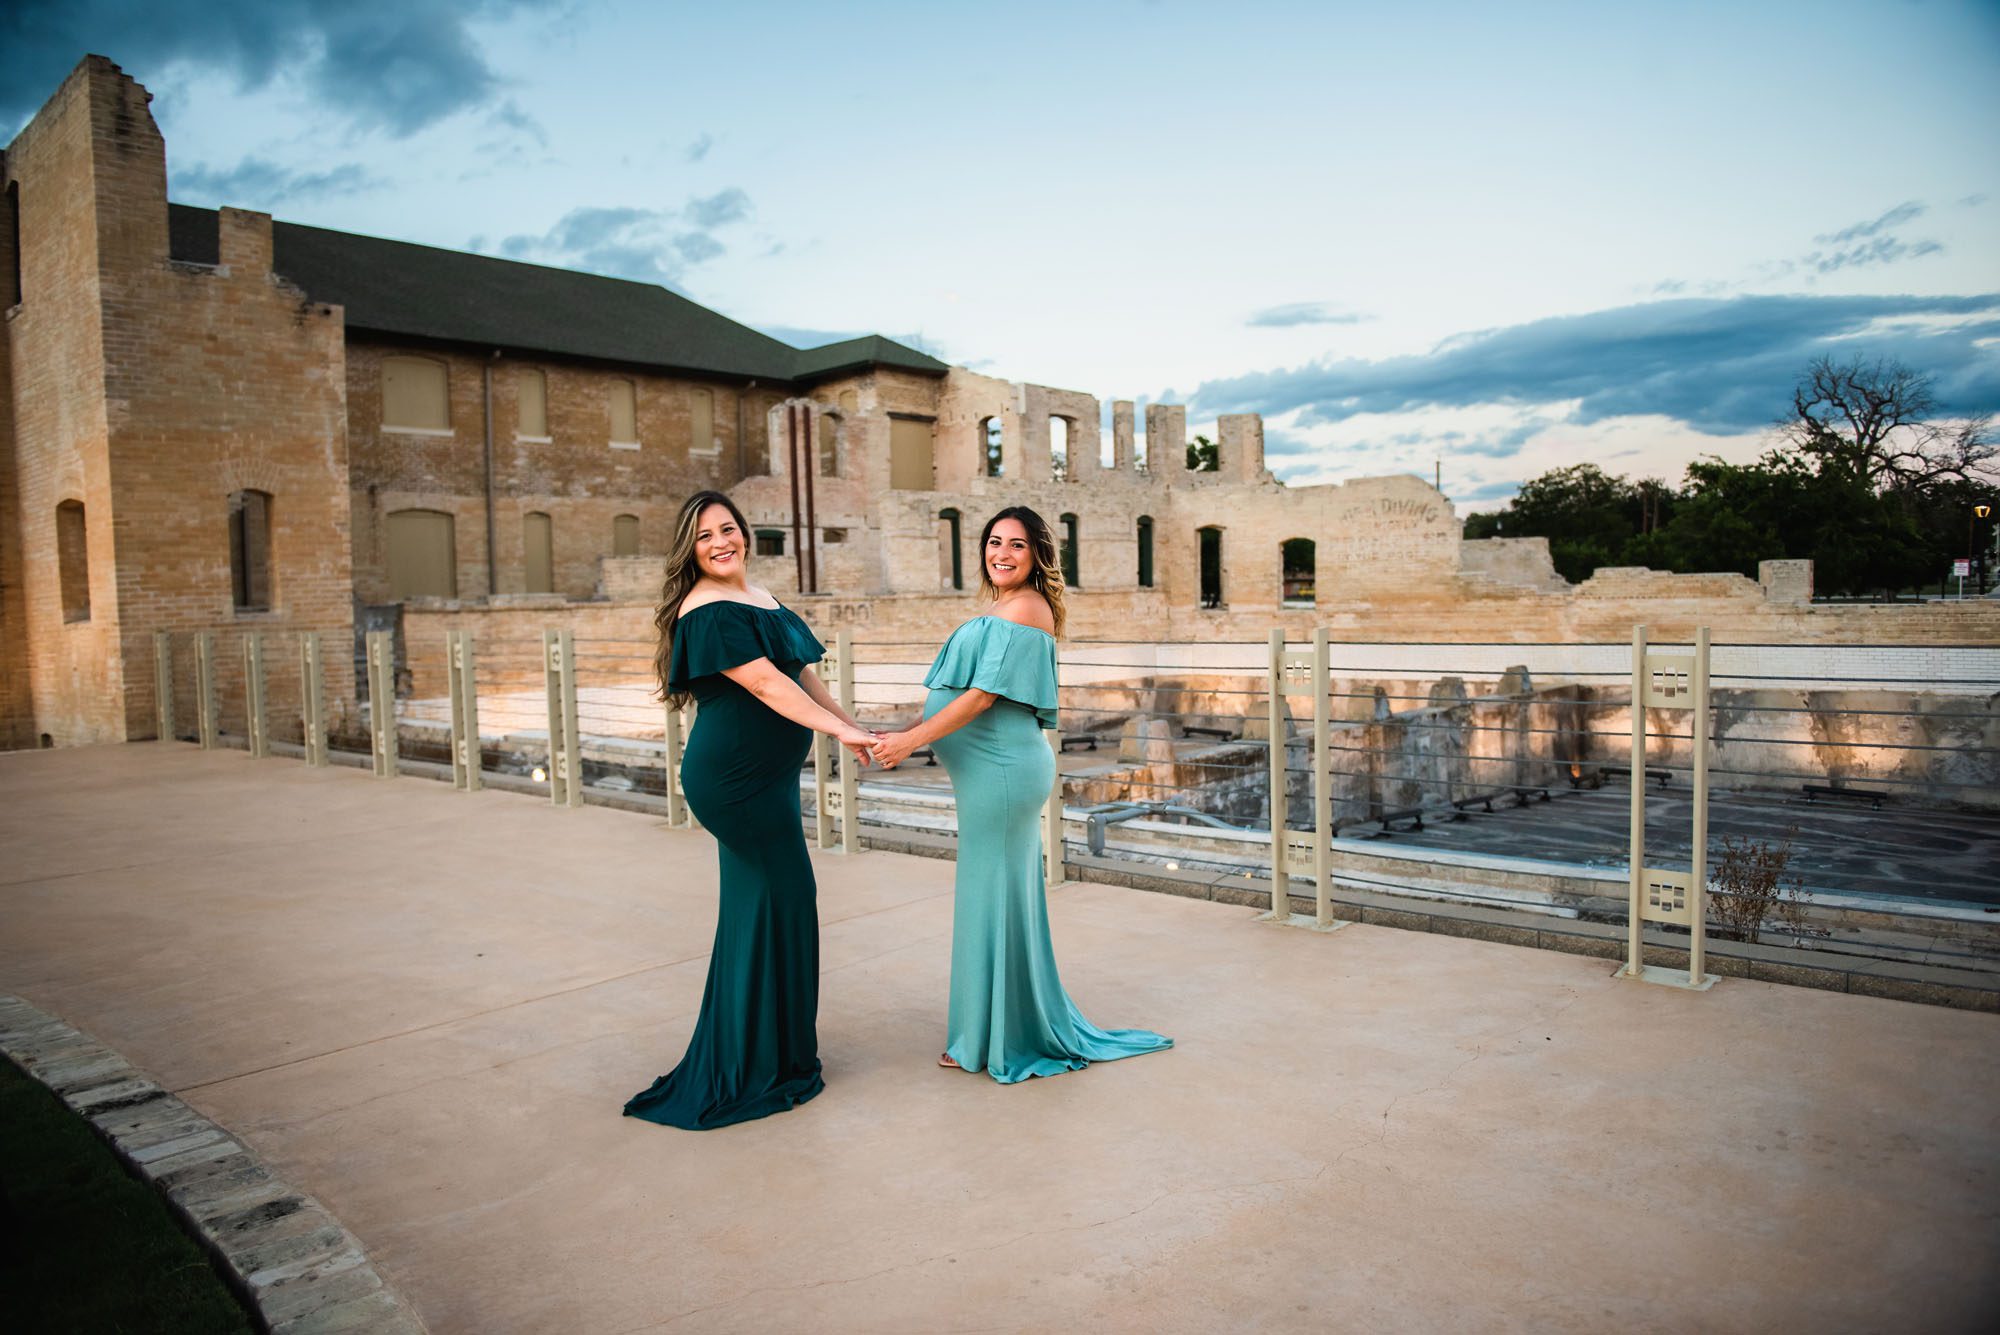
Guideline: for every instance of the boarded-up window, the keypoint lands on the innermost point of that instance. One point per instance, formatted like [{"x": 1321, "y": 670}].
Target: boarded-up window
[
  {"x": 1145, "y": 551},
  {"x": 829, "y": 445},
  {"x": 850, "y": 402},
  {"x": 910, "y": 466},
  {"x": 250, "y": 550},
  {"x": 423, "y": 555},
  {"x": 702, "y": 412},
  {"x": 622, "y": 401},
  {"x": 625, "y": 535},
  {"x": 533, "y": 388},
  {"x": 538, "y": 548},
  {"x": 951, "y": 564},
  {"x": 416, "y": 394},
  {"x": 770, "y": 542},
  {"x": 73, "y": 561}
]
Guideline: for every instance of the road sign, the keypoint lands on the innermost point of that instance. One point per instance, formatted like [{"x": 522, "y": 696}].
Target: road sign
[{"x": 1961, "y": 569}]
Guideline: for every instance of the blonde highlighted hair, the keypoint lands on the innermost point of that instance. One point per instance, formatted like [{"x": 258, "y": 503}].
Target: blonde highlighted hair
[
  {"x": 683, "y": 573},
  {"x": 1047, "y": 576}
]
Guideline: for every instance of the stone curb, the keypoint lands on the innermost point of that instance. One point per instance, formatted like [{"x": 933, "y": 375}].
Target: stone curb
[{"x": 280, "y": 1249}]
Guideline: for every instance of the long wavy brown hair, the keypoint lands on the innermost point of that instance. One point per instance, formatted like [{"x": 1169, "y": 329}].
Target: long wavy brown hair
[
  {"x": 1047, "y": 576},
  {"x": 683, "y": 572}
]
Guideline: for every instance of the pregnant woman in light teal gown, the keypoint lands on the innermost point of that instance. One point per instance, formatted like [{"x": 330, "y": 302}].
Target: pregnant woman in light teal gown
[
  {"x": 992, "y": 691},
  {"x": 744, "y": 657}
]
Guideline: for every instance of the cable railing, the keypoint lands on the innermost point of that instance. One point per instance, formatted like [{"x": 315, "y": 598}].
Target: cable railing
[{"x": 1487, "y": 775}]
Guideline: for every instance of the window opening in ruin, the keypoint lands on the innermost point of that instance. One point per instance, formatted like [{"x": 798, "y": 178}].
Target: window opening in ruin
[
  {"x": 911, "y": 464},
  {"x": 621, "y": 403},
  {"x": 625, "y": 535},
  {"x": 532, "y": 391},
  {"x": 701, "y": 422},
  {"x": 1058, "y": 449},
  {"x": 250, "y": 550},
  {"x": 423, "y": 554},
  {"x": 1211, "y": 567},
  {"x": 538, "y": 552},
  {"x": 770, "y": 542},
  {"x": 1069, "y": 545},
  {"x": 1298, "y": 559},
  {"x": 831, "y": 536},
  {"x": 989, "y": 435},
  {"x": 1145, "y": 551},
  {"x": 416, "y": 394},
  {"x": 12, "y": 223},
  {"x": 73, "y": 561},
  {"x": 951, "y": 564},
  {"x": 829, "y": 445},
  {"x": 1139, "y": 452}
]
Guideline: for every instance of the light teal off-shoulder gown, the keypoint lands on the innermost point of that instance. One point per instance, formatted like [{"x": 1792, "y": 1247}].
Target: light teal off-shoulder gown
[{"x": 1009, "y": 1014}]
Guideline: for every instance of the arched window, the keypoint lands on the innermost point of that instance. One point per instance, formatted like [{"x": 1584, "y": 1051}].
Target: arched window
[
  {"x": 1068, "y": 523},
  {"x": 1211, "y": 566},
  {"x": 621, "y": 404},
  {"x": 73, "y": 561},
  {"x": 1145, "y": 551},
  {"x": 829, "y": 445},
  {"x": 423, "y": 557},
  {"x": 1059, "y": 449},
  {"x": 250, "y": 550},
  {"x": 990, "y": 443},
  {"x": 1298, "y": 561},
  {"x": 951, "y": 563},
  {"x": 416, "y": 394},
  {"x": 538, "y": 552},
  {"x": 701, "y": 422},
  {"x": 625, "y": 535},
  {"x": 531, "y": 393}
]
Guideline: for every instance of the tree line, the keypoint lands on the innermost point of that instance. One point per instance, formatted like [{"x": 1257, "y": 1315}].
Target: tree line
[{"x": 1863, "y": 478}]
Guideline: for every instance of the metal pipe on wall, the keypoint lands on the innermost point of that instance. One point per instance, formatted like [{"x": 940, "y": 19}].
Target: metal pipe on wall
[{"x": 492, "y": 560}]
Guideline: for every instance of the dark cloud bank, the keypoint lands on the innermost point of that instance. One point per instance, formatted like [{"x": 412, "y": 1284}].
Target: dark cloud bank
[
  {"x": 1723, "y": 366},
  {"x": 393, "y": 65}
]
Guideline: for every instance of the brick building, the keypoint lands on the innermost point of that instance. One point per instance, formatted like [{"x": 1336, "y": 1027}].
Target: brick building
[{"x": 211, "y": 421}]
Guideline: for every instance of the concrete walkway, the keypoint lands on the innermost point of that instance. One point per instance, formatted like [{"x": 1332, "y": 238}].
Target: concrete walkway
[{"x": 425, "y": 1008}]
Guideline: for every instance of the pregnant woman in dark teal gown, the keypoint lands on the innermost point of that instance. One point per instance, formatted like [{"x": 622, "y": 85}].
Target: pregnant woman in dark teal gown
[
  {"x": 992, "y": 691},
  {"x": 745, "y": 658}
]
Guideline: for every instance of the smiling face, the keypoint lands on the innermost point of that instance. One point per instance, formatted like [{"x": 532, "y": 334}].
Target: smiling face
[
  {"x": 1010, "y": 558},
  {"x": 720, "y": 544}
]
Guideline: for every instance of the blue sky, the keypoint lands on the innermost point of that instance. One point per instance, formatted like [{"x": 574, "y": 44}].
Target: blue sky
[{"x": 1503, "y": 237}]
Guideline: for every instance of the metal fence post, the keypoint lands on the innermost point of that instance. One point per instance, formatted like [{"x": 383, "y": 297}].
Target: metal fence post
[
  {"x": 679, "y": 815},
  {"x": 312, "y": 698},
  {"x": 1296, "y": 853},
  {"x": 1052, "y": 817},
  {"x": 565, "y": 757},
  {"x": 825, "y": 751},
  {"x": 1669, "y": 681},
  {"x": 460, "y": 673},
  {"x": 850, "y": 779},
  {"x": 382, "y": 702},
  {"x": 204, "y": 686},
  {"x": 163, "y": 683},
  {"x": 253, "y": 694}
]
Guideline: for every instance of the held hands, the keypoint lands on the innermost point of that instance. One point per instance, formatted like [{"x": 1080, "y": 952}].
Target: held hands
[
  {"x": 893, "y": 749},
  {"x": 857, "y": 740}
]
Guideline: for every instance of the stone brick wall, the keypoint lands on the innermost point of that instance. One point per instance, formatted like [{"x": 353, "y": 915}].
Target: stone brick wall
[
  {"x": 573, "y": 475},
  {"x": 17, "y": 709},
  {"x": 151, "y": 391}
]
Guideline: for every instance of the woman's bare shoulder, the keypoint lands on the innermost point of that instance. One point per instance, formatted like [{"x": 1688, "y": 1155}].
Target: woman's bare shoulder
[
  {"x": 1032, "y": 612},
  {"x": 700, "y": 596}
]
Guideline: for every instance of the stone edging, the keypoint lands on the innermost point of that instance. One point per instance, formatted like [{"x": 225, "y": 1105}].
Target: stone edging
[{"x": 303, "y": 1272}]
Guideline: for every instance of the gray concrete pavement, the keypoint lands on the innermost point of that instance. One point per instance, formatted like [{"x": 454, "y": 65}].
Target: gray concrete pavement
[{"x": 425, "y": 1008}]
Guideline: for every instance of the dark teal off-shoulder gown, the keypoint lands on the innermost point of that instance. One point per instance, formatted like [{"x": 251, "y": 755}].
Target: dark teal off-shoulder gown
[
  {"x": 1009, "y": 1016},
  {"x": 755, "y": 1049}
]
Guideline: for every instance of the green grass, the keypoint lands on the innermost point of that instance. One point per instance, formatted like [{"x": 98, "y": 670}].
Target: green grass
[{"x": 85, "y": 1246}]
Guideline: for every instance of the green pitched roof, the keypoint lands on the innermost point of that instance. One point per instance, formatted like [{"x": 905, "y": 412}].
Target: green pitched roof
[{"x": 397, "y": 288}]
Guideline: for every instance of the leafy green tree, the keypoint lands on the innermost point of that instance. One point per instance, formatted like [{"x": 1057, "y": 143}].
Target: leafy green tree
[{"x": 1202, "y": 456}]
